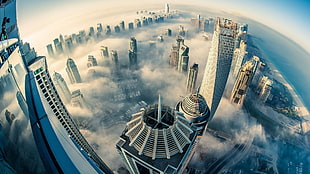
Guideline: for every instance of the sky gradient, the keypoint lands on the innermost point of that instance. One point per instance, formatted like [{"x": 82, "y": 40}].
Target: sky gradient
[{"x": 289, "y": 17}]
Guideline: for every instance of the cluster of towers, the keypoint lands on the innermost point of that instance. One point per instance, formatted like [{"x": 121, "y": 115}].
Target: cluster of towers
[
  {"x": 178, "y": 57},
  {"x": 66, "y": 44}
]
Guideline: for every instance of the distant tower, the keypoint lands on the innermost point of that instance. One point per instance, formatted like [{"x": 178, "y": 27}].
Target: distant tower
[
  {"x": 104, "y": 51},
  {"x": 195, "y": 110},
  {"x": 168, "y": 32},
  {"x": 219, "y": 62},
  {"x": 73, "y": 72},
  {"x": 130, "y": 26},
  {"x": 182, "y": 31},
  {"x": 117, "y": 29},
  {"x": 122, "y": 25},
  {"x": 243, "y": 81},
  {"x": 133, "y": 53},
  {"x": 137, "y": 23},
  {"x": 264, "y": 88},
  {"x": 192, "y": 78},
  {"x": 68, "y": 44},
  {"x": 183, "y": 58},
  {"x": 157, "y": 140},
  {"x": 58, "y": 46},
  {"x": 114, "y": 57},
  {"x": 62, "y": 87},
  {"x": 108, "y": 30},
  {"x": 174, "y": 53},
  {"x": 91, "y": 61},
  {"x": 77, "y": 99},
  {"x": 239, "y": 55},
  {"x": 167, "y": 10},
  {"x": 99, "y": 28},
  {"x": 50, "y": 50}
]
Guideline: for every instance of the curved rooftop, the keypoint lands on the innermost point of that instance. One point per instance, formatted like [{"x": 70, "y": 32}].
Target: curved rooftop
[
  {"x": 158, "y": 132},
  {"x": 194, "y": 107}
]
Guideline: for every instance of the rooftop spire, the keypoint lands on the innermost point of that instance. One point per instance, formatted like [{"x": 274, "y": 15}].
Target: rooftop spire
[{"x": 159, "y": 109}]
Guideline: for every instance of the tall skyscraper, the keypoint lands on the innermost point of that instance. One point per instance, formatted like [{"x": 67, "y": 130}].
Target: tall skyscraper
[
  {"x": 122, "y": 25},
  {"x": 157, "y": 140},
  {"x": 219, "y": 62},
  {"x": 183, "y": 58},
  {"x": 174, "y": 53},
  {"x": 130, "y": 26},
  {"x": 192, "y": 78},
  {"x": 73, "y": 72},
  {"x": 69, "y": 45},
  {"x": 58, "y": 46},
  {"x": 133, "y": 62},
  {"x": 239, "y": 55},
  {"x": 99, "y": 28},
  {"x": 62, "y": 87},
  {"x": 104, "y": 51},
  {"x": 264, "y": 88},
  {"x": 195, "y": 110},
  {"x": 167, "y": 10},
  {"x": 91, "y": 61},
  {"x": 114, "y": 57},
  {"x": 62, "y": 147},
  {"x": 244, "y": 79},
  {"x": 182, "y": 31},
  {"x": 50, "y": 50},
  {"x": 108, "y": 30},
  {"x": 77, "y": 99},
  {"x": 200, "y": 23}
]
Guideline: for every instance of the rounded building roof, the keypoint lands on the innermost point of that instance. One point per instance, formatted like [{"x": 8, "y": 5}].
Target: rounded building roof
[
  {"x": 194, "y": 107},
  {"x": 158, "y": 132}
]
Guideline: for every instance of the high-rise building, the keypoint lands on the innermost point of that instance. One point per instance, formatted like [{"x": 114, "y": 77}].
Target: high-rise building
[
  {"x": 182, "y": 31},
  {"x": 108, "y": 30},
  {"x": 91, "y": 32},
  {"x": 62, "y": 87},
  {"x": 167, "y": 10},
  {"x": 133, "y": 62},
  {"x": 114, "y": 57},
  {"x": 50, "y": 50},
  {"x": 62, "y": 147},
  {"x": 174, "y": 53},
  {"x": 157, "y": 140},
  {"x": 264, "y": 88},
  {"x": 99, "y": 28},
  {"x": 91, "y": 61},
  {"x": 195, "y": 110},
  {"x": 104, "y": 51},
  {"x": 58, "y": 46},
  {"x": 122, "y": 25},
  {"x": 137, "y": 23},
  {"x": 183, "y": 58},
  {"x": 77, "y": 99},
  {"x": 239, "y": 55},
  {"x": 219, "y": 62},
  {"x": 117, "y": 29},
  {"x": 73, "y": 72},
  {"x": 130, "y": 26},
  {"x": 200, "y": 23},
  {"x": 244, "y": 79},
  {"x": 68, "y": 44},
  {"x": 168, "y": 32},
  {"x": 192, "y": 78}
]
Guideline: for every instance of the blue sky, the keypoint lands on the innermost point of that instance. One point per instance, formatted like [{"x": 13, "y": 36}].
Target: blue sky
[{"x": 290, "y": 17}]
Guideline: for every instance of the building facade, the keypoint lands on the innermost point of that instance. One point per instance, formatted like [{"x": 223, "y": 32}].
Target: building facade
[
  {"x": 219, "y": 62},
  {"x": 192, "y": 78},
  {"x": 62, "y": 87},
  {"x": 73, "y": 72}
]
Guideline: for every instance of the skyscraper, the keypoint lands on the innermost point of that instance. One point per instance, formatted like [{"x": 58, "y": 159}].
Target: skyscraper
[
  {"x": 91, "y": 61},
  {"x": 167, "y": 10},
  {"x": 133, "y": 62},
  {"x": 183, "y": 58},
  {"x": 264, "y": 88},
  {"x": 239, "y": 55},
  {"x": 157, "y": 140},
  {"x": 130, "y": 25},
  {"x": 174, "y": 53},
  {"x": 62, "y": 147},
  {"x": 73, "y": 72},
  {"x": 104, "y": 51},
  {"x": 122, "y": 25},
  {"x": 192, "y": 78},
  {"x": 62, "y": 87},
  {"x": 58, "y": 46},
  {"x": 77, "y": 99},
  {"x": 200, "y": 23},
  {"x": 195, "y": 110},
  {"x": 114, "y": 57},
  {"x": 219, "y": 62},
  {"x": 50, "y": 50},
  {"x": 244, "y": 79}
]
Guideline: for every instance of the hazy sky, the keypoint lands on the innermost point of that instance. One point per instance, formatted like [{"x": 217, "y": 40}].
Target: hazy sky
[{"x": 290, "y": 17}]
